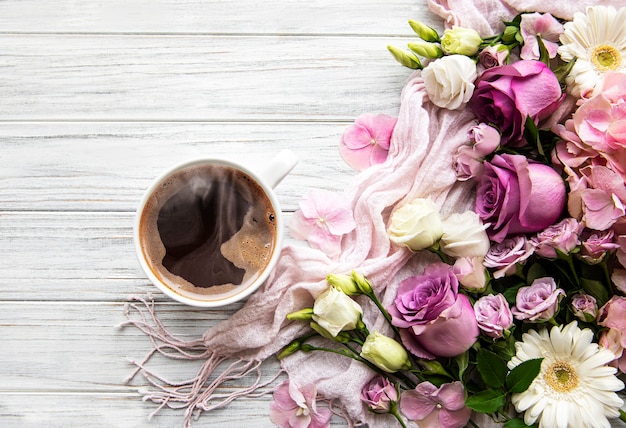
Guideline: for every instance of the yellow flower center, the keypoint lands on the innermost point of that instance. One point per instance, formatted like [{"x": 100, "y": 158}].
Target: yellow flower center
[
  {"x": 606, "y": 57},
  {"x": 373, "y": 141},
  {"x": 561, "y": 377}
]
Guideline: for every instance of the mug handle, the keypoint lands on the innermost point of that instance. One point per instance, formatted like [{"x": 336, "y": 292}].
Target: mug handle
[{"x": 279, "y": 167}]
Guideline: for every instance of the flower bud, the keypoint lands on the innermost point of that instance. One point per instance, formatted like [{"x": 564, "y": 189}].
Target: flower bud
[
  {"x": 305, "y": 314},
  {"x": 461, "y": 41},
  {"x": 424, "y": 32},
  {"x": 362, "y": 283},
  {"x": 509, "y": 36},
  {"x": 344, "y": 283},
  {"x": 406, "y": 58},
  {"x": 584, "y": 307},
  {"x": 385, "y": 353},
  {"x": 335, "y": 311},
  {"x": 292, "y": 348},
  {"x": 425, "y": 49}
]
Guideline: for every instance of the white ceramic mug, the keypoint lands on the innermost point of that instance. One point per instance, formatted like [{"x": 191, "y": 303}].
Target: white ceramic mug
[{"x": 147, "y": 236}]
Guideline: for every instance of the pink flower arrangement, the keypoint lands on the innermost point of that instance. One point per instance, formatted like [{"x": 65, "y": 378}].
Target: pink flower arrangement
[{"x": 545, "y": 244}]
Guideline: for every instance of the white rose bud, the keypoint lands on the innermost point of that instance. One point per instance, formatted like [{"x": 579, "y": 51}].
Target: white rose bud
[
  {"x": 416, "y": 225},
  {"x": 335, "y": 311},
  {"x": 385, "y": 353},
  {"x": 464, "y": 236},
  {"x": 461, "y": 41},
  {"x": 450, "y": 81}
]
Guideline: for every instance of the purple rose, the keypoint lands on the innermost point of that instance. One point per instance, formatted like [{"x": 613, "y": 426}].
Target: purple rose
[
  {"x": 506, "y": 95},
  {"x": 595, "y": 245},
  {"x": 506, "y": 255},
  {"x": 378, "y": 394},
  {"x": 485, "y": 139},
  {"x": 584, "y": 307},
  {"x": 537, "y": 302},
  {"x": 562, "y": 237},
  {"x": 435, "y": 320},
  {"x": 493, "y": 315},
  {"x": 516, "y": 195}
]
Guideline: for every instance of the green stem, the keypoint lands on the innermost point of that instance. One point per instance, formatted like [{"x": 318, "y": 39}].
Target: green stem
[
  {"x": 394, "y": 411},
  {"x": 622, "y": 415}
]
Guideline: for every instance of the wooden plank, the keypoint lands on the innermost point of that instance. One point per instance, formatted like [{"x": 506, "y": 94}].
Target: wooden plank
[
  {"x": 91, "y": 166},
  {"x": 205, "y": 78},
  {"x": 72, "y": 256},
  {"x": 213, "y": 16}
]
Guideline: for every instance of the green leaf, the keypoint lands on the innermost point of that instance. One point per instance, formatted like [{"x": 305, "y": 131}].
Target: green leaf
[
  {"x": 532, "y": 135},
  {"x": 520, "y": 378},
  {"x": 544, "y": 55},
  {"x": 517, "y": 423},
  {"x": 535, "y": 271},
  {"x": 462, "y": 362},
  {"x": 492, "y": 368},
  {"x": 489, "y": 401},
  {"x": 596, "y": 289}
]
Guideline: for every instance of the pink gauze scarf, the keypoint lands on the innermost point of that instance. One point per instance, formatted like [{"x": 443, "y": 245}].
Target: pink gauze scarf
[{"x": 419, "y": 165}]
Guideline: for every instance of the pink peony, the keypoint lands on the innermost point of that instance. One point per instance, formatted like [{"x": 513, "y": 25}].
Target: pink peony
[
  {"x": 538, "y": 302},
  {"x": 366, "y": 142},
  {"x": 436, "y": 320},
  {"x": 323, "y": 218},
  {"x": 543, "y": 25},
  {"x": 505, "y": 96},
  {"x": 493, "y": 315},
  {"x": 433, "y": 407},
  {"x": 515, "y": 195},
  {"x": 294, "y": 407}
]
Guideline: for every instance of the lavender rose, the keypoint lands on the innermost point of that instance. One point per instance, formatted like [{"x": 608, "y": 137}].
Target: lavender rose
[
  {"x": 493, "y": 315},
  {"x": 436, "y": 320},
  {"x": 584, "y": 307},
  {"x": 515, "y": 195},
  {"x": 538, "y": 302},
  {"x": 562, "y": 237},
  {"x": 506, "y": 95},
  {"x": 506, "y": 255},
  {"x": 378, "y": 394}
]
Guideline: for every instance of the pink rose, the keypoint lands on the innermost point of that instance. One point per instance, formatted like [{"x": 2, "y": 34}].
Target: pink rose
[
  {"x": 506, "y": 95},
  {"x": 516, "y": 195},
  {"x": 584, "y": 307},
  {"x": 596, "y": 245},
  {"x": 435, "y": 320},
  {"x": 485, "y": 139},
  {"x": 470, "y": 272},
  {"x": 613, "y": 315},
  {"x": 378, "y": 394},
  {"x": 492, "y": 56},
  {"x": 297, "y": 407},
  {"x": 467, "y": 163},
  {"x": 506, "y": 255},
  {"x": 434, "y": 407},
  {"x": 493, "y": 315},
  {"x": 562, "y": 237},
  {"x": 537, "y": 302},
  {"x": 612, "y": 339}
]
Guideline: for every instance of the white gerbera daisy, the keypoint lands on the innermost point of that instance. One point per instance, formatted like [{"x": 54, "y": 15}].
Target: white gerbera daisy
[
  {"x": 598, "y": 42},
  {"x": 575, "y": 388}
]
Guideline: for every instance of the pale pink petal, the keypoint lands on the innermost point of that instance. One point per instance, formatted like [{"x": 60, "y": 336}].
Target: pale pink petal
[
  {"x": 366, "y": 142},
  {"x": 340, "y": 222},
  {"x": 601, "y": 210},
  {"x": 309, "y": 206},
  {"x": 301, "y": 227},
  {"x": 321, "y": 418},
  {"x": 456, "y": 419},
  {"x": 357, "y": 159},
  {"x": 357, "y": 136},
  {"x": 452, "y": 396},
  {"x": 416, "y": 406},
  {"x": 378, "y": 155}
]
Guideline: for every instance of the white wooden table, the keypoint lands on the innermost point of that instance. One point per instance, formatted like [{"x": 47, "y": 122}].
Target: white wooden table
[{"x": 99, "y": 97}]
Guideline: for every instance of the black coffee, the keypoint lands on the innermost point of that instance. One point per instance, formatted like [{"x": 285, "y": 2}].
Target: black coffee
[{"x": 209, "y": 229}]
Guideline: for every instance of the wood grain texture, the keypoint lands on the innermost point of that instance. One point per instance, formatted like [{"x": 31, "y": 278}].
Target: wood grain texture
[{"x": 364, "y": 17}]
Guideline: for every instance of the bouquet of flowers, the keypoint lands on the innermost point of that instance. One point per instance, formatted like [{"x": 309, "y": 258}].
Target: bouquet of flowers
[{"x": 521, "y": 316}]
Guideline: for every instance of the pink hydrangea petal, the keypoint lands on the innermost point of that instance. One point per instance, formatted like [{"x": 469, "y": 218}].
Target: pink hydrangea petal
[
  {"x": 340, "y": 222},
  {"x": 416, "y": 406},
  {"x": 382, "y": 127},
  {"x": 300, "y": 227},
  {"x": 357, "y": 159},
  {"x": 379, "y": 154},
  {"x": 601, "y": 210},
  {"x": 452, "y": 396},
  {"x": 456, "y": 419},
  {"x": 321, "y": 418},
  {"x": 356, "y": 137}
]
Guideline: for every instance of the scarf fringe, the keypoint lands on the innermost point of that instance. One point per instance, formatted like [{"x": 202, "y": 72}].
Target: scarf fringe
[{"x": 201, "y": 393}]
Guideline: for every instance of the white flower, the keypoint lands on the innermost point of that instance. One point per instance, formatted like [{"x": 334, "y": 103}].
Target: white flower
[
  {"x": 334, "y": 311},
  {"x": 597, "y": 40},
  {"x": 385, "y": 353},
  {"x": 464, "y": 236},
  {"x": 575, "y": 387},
  {"x": 416, "y": 225},
  {"x": 450, "y": 81},
  {"x": 462, "y": 41}
]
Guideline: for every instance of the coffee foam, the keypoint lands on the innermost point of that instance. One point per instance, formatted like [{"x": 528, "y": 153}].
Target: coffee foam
[{"x": 250, "y": 249}]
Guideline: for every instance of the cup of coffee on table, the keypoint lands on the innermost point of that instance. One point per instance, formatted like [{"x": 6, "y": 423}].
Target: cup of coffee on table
[{"x": 208, "y": 232}]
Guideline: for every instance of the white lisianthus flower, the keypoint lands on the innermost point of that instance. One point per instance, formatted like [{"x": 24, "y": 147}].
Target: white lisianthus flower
[
  {"x": 385, "y": 353},
  {"x": 464, "y": 236},
  {"x": 575, "y": 387},
  {"x": 450, "y": 81},
  {"x": 416, "y": 225},
  {"x": 335, "y": 312},
  {"x": 461, "y": 41},
  {"x": 598, "y": 42}
]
